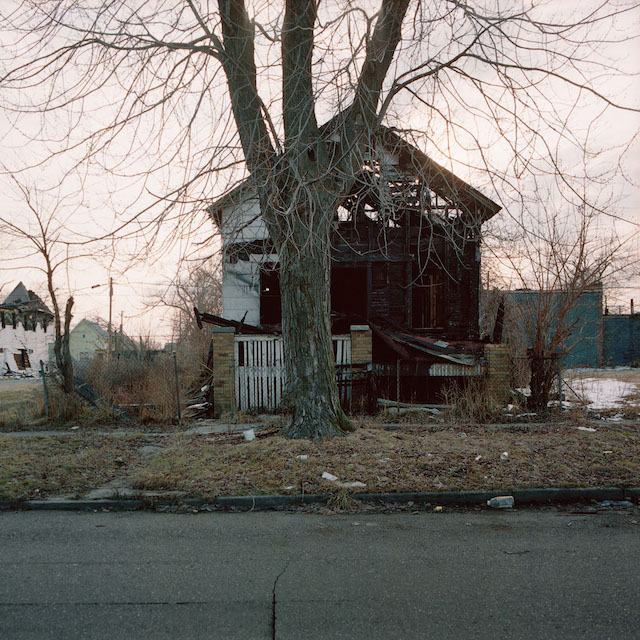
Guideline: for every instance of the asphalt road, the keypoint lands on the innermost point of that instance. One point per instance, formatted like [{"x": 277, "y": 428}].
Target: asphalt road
[{"x": 521, "y": 574}]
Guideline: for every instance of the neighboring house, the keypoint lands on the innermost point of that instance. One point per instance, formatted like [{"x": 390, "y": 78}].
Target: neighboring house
[
  {"x": 89, "y": 338},
  {"x": 406, "y": 260},
  {"x": 584, "y": 344},
  {"x": 26, "y": 331},
  {"x": 596, "y": 337},
  {"x": 621, "y": 339}
]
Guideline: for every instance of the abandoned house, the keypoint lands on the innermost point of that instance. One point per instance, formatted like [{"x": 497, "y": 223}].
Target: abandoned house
[
  {"x": 405, "y": 262},
  {"x": 25, "y": 332}
]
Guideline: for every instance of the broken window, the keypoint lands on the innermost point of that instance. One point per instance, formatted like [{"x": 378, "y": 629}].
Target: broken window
[
  {"x": 427, "y": 300},
  {"x": 22, "y": 360}
]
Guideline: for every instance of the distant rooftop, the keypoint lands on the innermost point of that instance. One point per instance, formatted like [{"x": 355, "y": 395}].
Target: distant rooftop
[{"x": 23, "y": 298}]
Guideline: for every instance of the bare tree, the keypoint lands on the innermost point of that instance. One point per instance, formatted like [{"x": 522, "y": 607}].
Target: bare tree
[
  {"x": 476, "y": 75},
  {"x": 197, "y": 285},
  {"x": 42, "y": 235},
  {"x": 551, "y": 267}
]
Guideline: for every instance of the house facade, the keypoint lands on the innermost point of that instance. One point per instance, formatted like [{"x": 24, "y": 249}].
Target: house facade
[
  {"x": 89, "y": 338},
  {"x": 405, "y": 261},
  {"x": 26, "y": 331},
  {"x": 405, "y": 253}
]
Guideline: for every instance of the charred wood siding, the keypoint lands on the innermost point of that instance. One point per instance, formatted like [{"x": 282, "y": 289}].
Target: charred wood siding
[{"x": 389, "y": 292}]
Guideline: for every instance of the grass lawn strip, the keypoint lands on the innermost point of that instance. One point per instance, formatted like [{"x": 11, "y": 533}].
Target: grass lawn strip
[
  {"x": 400, "y": 461},
  {"x": 407, "y": 460},
  {"x": 42, "y": 467}
]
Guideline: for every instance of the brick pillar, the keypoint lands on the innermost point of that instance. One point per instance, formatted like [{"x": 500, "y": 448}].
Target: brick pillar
[
  {"x": 361, "y": 345},
  {"x": 223, "y": 370},
  {"x": 498, "y": 371},
  {"x": 361, "y": 360}
]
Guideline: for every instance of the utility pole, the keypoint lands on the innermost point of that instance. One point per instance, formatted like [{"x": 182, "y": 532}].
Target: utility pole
[{"x": 109, "y": 343}]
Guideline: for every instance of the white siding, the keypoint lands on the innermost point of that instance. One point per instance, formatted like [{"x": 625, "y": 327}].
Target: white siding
[
  {"x": 35, "y": 342},
  {"x": 243, "y": 223},
  {"x": 241, "y": 292},
  {"x": 241, "y": 279}
]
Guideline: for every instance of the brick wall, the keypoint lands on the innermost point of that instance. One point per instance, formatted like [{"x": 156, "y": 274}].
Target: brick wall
[
  {"x": 361, "y": 344},
  {"x": 361, "y": 359},
  {"x": 223, "y": 370},
  {"x": 498, "y": 371}
]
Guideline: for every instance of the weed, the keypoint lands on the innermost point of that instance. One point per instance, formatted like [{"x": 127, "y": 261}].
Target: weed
[
  {"x": 341, "y": 502},
  {"x": 470, "y": 403}
]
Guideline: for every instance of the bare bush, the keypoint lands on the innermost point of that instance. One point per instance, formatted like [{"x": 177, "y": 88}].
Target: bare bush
[
  {"x": 144, "y": 387},
  {"x": 470, "y": 403}
]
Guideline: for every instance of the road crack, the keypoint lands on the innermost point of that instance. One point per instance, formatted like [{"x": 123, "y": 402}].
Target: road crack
[{"x": 274, "y": 601}]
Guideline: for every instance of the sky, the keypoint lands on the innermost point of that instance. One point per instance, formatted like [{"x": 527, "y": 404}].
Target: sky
[{"x": 93, "y": 201}]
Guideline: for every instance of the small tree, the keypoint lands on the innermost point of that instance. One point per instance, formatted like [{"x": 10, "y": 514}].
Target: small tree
[
  {"x": 554, "y": 265},
  {"x": 197, "y": 285}
]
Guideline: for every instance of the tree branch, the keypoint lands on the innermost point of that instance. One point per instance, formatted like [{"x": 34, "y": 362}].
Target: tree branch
[
  {"x": 297, "y": 88},
  {"x": 240, "y": 69}
]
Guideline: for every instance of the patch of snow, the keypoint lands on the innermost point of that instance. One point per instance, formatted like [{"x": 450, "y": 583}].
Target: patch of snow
[{"x": 602, "y": 393}]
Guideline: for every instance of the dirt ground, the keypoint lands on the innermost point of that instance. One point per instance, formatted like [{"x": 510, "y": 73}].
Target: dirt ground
[{"x": 421, "y": 452}]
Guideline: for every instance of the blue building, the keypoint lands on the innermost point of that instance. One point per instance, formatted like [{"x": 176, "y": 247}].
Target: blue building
[
  {"x": 528, "y": 310},
  {"x": 621, "y": 340}
]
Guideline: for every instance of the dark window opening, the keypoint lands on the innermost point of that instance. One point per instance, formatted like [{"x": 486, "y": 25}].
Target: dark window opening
[
  {"x": 270, "y": 304},
  {"x": 427, "y": 300},
  {"x": 349, "y": 291},
  {"x": 22, "y": 360}
]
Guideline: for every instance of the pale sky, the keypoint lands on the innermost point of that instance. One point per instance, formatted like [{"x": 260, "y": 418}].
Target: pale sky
[{"x": 100, "y": 199}]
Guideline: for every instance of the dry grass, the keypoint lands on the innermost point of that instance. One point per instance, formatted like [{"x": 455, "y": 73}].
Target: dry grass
[
  {"x": 40, "y": 467},
  {"x": 399, "y": 461},
  {"x": 19, "y": 402},
  {"x": 148, "y": 384}
]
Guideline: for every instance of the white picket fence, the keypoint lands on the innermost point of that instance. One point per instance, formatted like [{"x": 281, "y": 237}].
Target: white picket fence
[{"x": 259, "y": 374}]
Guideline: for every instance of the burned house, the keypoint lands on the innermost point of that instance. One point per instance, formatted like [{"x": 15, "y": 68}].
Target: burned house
[
  {"x": 405, "y": 261},
  {"x": 25, "y": 332}
]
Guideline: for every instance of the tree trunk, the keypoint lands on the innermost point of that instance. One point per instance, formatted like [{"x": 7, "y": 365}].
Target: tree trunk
[
  {"x": 311, "y": 392},
  {"x": 62, "y": 350},
  {"x": 542, "y": 374}
]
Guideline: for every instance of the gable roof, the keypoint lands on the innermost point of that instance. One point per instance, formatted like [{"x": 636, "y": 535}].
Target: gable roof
[
  {"x": 85, "y": 324},
  {"x": 410, "y": 160},
  {"x": 25, "y": 299},
  {"x": 122, "y": 339}
]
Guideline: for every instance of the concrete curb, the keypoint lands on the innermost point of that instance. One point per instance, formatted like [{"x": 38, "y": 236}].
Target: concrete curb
[{"x": 250, "y": 503}]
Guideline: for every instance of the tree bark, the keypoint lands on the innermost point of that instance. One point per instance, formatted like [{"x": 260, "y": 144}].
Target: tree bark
[
  {"x": 542, "y": 374},
  {"x": 67, "y": 364},
  {"x": 311, "y": 390},
  {"x": 299, "y": 190}
]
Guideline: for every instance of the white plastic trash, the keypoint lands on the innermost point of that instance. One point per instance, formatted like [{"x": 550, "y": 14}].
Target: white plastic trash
[
  {"x": 329, "y": 476},
  {"x": 249, "y": 435},
  {"x": 501, "y": 502},
  {"x": 504, "y": 455},
  {"x": 303, "y": 457}
]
